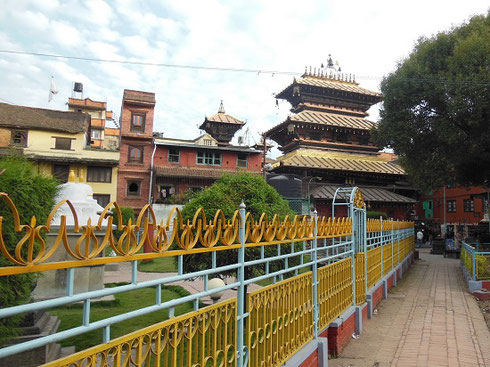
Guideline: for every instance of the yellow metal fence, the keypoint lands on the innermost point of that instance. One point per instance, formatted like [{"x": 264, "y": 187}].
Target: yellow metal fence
[
  {"x": 203, "y": 338},
  {"x": 334, "y": 291},
  {"x": 280, "y": 320}
]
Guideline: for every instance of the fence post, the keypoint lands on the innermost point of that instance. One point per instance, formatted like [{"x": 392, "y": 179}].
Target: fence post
[
  {"x": 473, "y": 259},
  {"x": 241, "y": 289},
  {"x": 382, "y": 249},
  {"x": 353, "y": 251},
  {"x": 392, "y": 247},
  {"x": 315, "y": 275},
  {"x": 364, "y": 243}
]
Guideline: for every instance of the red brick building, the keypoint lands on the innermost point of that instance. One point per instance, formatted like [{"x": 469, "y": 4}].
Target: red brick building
[
  {"x": 462, "y": 205},
  {"x": 182, "y": 165},
  {"x": 136, "y": 123}
]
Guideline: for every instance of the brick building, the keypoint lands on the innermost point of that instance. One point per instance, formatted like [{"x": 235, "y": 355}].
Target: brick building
[
  {"x": 462, "y": 205},
  {"x": 136, "y": 124},
  {"x": 182, "y": 165}
]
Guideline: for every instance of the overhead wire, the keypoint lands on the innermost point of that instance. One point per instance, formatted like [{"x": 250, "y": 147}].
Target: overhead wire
[{"x": 228, "y": 69}]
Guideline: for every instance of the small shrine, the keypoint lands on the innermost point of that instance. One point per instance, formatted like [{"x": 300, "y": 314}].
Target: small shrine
[{"x": 221, "y": 126}]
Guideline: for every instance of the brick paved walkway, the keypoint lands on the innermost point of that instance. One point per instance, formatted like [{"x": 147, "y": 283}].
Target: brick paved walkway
[{"x": 429, "y": 319}]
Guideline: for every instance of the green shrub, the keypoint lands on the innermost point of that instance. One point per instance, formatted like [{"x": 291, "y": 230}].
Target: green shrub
[
  {"x": 226, "y": 194},
  {"x": 376, "y": 215},
  {"x": 33, "y": 195},
  {"x": 126, "y": 214}
]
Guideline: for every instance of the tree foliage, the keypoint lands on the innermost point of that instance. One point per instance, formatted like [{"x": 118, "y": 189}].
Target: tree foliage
[
  {"x": 226, "y": 194},
  {"x": 436, "y": 108},
  {"x": 33, "y": 195}
]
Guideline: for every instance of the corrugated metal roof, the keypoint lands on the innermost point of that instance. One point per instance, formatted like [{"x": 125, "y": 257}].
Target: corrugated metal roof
[
  {"x": 374, "y": 194},
  {"x": 354, "y": 163},
  {"x": 331, "y": 119}
]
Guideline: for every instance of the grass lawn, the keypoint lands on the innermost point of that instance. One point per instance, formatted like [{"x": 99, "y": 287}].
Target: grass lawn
[
  {"x": 158, "y": 265},
  {"x": 71, "y": 316}
]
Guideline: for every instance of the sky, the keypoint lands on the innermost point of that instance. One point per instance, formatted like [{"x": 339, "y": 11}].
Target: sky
[{"x": 367, "y": 38}]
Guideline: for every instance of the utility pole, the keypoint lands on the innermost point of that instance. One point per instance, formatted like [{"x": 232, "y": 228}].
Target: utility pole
[{"x": 265, "y": 153}]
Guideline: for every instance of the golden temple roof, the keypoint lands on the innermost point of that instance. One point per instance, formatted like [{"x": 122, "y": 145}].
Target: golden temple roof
[
  {"x": 327, "y": 82},
  {"x": 319, "y": 159},
  {"x": 332, "y": 119}
]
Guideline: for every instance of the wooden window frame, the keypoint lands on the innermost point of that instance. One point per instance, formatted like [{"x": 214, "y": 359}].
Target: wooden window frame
[
  {"x": 469, "y": 205},
  {"x": 59, "y": 139},
  {"x": 207, "y": 156},
  {"x": 172, "y": 157},
  {"x": 95, "y": 174},
  {"x": 142, "y": 151},
  {"x": 238, "y": 160},
  {"x": 138, "y": 128},
  {"x": 102, "y": 196},
  {"x": 451, "y": 208},
  {"x": 133, "y": 195},
  {"x": 23, "y": 142}
]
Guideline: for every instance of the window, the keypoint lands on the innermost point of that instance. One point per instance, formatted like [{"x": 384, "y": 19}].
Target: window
[
  {"x": 99, "y": 174},
  {"x": 209, "y": 158},
  {"x": 61, "y": 172},
  {"x": 173, "y": 155},
  {"x": 364, "y": 140},
  {"x": 96, "y": 134},
  {"x": 242, "y": 160},
  {"x": 469, "y": 205},
  {"x": 207, "y": 142},
  {"x": 135, "y": 154},
  {"x": 166, "y": 191},
  {"x": 138, "y": 122},
  {"x": 102, "y": 199},
  {"x": 451, "y": 206},
  {"x": 134, "y": 188},
  {"x": 62, "y": 143},
  {"x": 19, "y": 138}
]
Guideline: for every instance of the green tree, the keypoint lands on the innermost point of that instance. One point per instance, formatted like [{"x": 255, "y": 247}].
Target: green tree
[
  {"x": 226, "y": 194},
  {"x": 436, "y": 111},
  {"x": 33, "y": 195}
]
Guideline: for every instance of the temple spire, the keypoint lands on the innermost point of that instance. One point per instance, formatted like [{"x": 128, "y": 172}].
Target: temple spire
[{"x": 221, "y": 108}]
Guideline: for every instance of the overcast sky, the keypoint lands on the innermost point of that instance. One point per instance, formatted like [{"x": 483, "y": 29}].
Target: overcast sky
[{"x": 368, "y": 38}]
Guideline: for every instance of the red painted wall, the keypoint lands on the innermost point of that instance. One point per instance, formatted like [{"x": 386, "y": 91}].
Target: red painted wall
[
  {"x": 188, "y": 158},
  {"x": 459, "y": 194}
]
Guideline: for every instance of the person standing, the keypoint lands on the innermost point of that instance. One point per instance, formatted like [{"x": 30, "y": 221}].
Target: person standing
[{"x": 420, "y": 237}]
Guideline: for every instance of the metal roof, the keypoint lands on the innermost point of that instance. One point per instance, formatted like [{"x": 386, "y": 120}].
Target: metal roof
[
  {"x": 340, "y": 162},
  {"x": 332, "y": 119},
  {"x": 325, "y": 82},
  {"x": 373, "y": 194}
]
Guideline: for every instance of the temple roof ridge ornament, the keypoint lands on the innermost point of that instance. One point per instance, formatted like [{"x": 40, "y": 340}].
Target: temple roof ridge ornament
[
  {"x": 221, "y": 108},
  {"x": 332, "y": 71}
]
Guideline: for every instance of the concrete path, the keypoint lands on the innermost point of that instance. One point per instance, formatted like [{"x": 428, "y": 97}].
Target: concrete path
[
  {"x": 123, "y": 274},
  {"x": 429, "y": 319}
]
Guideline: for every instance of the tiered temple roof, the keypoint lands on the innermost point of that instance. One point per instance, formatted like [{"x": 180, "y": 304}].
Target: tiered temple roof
[{"x": 221, "y": 126}]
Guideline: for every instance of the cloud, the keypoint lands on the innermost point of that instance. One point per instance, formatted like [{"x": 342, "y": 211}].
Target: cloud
[{"x": 367, "y": 38}]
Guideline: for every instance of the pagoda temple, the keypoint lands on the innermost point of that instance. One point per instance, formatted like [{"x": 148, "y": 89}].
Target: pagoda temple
[
  {"x": 326, "y": 141},
  {"x": 221, "y": 126}
]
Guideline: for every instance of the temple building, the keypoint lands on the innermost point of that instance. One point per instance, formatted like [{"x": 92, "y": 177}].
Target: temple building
[{"x": 326, "y": 141}]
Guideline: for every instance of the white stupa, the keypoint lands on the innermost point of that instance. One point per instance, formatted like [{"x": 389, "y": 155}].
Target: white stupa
[{"x": 81, "y": 196}]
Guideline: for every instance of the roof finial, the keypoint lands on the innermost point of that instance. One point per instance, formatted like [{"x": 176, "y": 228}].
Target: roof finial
[{"x": 221, "y": 108}]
